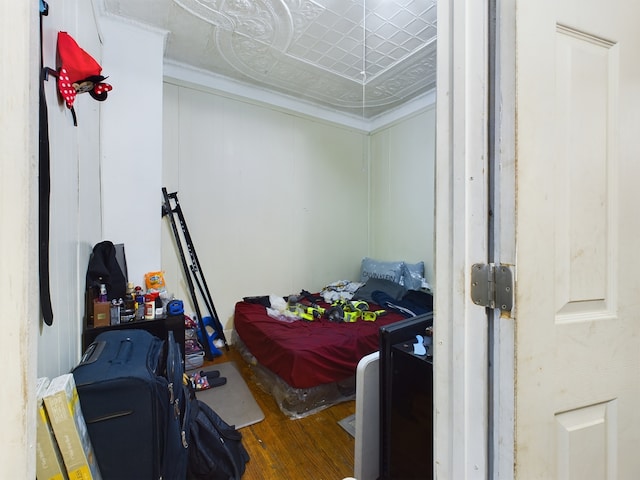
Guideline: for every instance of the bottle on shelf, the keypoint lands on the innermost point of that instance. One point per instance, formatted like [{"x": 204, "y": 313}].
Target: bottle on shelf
[
  {"x": 139, "y": 305},
  {"x": 129, "y": 299},
  {"x": 150, "y": 305},
  {"x": 128, "y": 310},
  {"x": 102, "y": 297}
]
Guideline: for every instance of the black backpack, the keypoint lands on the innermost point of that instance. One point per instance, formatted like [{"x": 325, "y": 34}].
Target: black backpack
[
  {"x": 205, "y": 446},
  {"x": 215, "y": 449},
  {"x": 104, "y": 269}
]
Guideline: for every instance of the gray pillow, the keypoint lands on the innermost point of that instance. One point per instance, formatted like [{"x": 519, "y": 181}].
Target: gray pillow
[
  {"x": 394, "y": 290},
  {"x": 371, "y": 268},
  {"x": 412, "y": 275}
]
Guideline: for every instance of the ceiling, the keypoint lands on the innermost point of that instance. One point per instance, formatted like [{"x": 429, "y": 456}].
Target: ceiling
[{"x": 330, "y": 53}]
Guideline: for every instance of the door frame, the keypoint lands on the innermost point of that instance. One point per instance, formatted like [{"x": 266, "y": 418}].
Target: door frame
[
  {"x": 461, "y": 368},
  {"x": 20, "y": 55},
  {"x": 502, "y": 326}
]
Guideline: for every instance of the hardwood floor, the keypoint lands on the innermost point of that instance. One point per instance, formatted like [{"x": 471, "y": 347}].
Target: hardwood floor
[{"x": 311, "y": 448}]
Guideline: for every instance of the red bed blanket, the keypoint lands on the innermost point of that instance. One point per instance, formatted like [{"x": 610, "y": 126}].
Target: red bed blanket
[{"x": 307, "y": 353}]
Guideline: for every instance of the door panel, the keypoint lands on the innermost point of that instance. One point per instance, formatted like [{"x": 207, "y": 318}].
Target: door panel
[
  {"x": 577, "y": 290},
  {"x": 586, "y": 442},
  {"x": 585, "y": 104}
]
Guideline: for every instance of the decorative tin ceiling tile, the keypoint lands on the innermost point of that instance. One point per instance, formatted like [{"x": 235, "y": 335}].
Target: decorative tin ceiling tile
[{"x": 331, "y": 52}]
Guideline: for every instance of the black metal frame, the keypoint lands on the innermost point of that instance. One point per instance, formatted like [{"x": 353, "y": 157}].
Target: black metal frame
[{"x": 193, "y": 269}]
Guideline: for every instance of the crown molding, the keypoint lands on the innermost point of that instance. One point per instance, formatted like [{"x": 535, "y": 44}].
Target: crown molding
[{"x": 189, "y": 76}]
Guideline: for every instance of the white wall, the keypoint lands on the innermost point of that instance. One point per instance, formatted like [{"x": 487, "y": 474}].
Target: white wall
[
  {"x": 274, "y": 202},
  {"x": 402, "y": 205},
  {"x": 277, "y": 202},
  {"x": 132, "y": 143},
  {"x": 75, "y": 215},
  {"x": 106, "y": 172}
]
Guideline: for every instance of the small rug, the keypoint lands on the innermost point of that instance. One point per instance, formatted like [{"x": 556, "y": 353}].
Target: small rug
[
  {"x": 233, "y": 401},
  {"x": 349, "y": 424}
]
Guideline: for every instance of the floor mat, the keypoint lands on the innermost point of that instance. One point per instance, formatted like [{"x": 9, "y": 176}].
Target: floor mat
[
  {"x": 349, "y": 424},
  {"x": 233, "y": 401}
]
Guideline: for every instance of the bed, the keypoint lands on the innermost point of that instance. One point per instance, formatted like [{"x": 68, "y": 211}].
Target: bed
[{"x": 307, "y": 365}]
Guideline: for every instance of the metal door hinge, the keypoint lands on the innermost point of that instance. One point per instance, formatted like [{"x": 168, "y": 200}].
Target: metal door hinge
[{"x": 492, "y": 286}]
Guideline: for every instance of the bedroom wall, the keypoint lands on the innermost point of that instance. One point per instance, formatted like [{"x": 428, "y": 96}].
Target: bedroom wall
[
  {"x": 131, "y": 143},
  {"x": 276, "y": 202},
  {"x": 75, "y": 214},
  {"x": 402, "y": 207},
  {"x": 105, "y": 172}
]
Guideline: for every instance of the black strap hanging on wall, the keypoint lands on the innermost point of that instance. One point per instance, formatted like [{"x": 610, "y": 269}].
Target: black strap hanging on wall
[{"x": 44, "y": 190}]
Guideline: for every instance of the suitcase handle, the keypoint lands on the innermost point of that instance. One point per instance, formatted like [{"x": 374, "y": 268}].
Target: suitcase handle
[
  {"x": 92, "y": 353},
  {"x": 124, "y": 352}
]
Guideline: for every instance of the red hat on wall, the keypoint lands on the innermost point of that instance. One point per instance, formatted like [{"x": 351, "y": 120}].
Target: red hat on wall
[{"x": 78, "y": 72}]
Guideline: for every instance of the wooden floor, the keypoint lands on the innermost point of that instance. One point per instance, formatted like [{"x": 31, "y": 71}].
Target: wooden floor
[{"x": 315, "y": 447}]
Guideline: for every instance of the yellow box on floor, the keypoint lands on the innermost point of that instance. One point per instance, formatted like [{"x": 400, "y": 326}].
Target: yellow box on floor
[
  {"x": 49, "y": 465},
  {"x": 63, "y": 407}
]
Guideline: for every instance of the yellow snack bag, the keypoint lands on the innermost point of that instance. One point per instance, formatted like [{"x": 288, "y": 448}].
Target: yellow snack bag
[{"x": 154, "y": 281}]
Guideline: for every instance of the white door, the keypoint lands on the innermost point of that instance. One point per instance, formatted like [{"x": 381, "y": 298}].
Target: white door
[{"x": 577, "y": 295}]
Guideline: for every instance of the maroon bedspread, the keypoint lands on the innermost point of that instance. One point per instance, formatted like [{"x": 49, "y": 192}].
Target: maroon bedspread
[{"x": 306, "y": 354}]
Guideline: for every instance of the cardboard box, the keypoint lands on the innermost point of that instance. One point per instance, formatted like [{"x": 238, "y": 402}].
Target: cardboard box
[
  {"x": 101, "y": 314},
  {"x": 63, "y": 407},
  {"x": 49, "y": 465}
]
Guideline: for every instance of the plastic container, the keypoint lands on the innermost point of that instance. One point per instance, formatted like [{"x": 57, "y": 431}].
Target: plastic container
[{"x": 149, "y": 308}]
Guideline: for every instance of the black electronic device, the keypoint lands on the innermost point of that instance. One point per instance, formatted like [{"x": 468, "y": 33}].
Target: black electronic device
[{"x": 406, "y": 401}]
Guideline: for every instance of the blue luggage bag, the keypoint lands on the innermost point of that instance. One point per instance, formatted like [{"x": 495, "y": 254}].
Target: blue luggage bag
[{"x": 132, "y": 416}]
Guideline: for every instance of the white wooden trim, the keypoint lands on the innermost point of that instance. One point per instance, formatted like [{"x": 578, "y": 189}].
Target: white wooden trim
[
  {"x": 460, "y": 373},
  {"x": 184, "y": 75}
]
